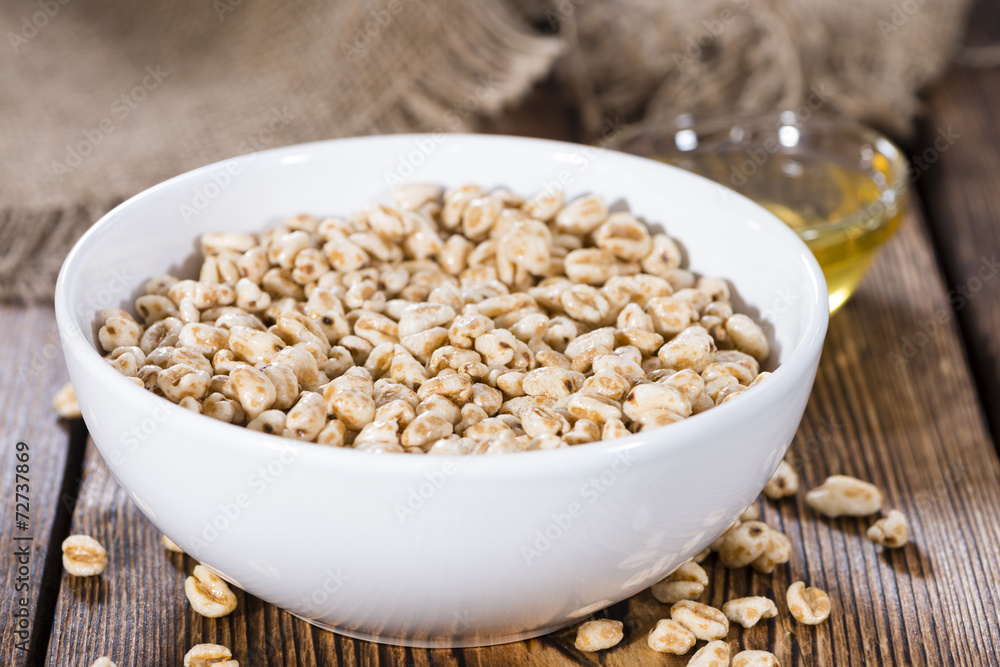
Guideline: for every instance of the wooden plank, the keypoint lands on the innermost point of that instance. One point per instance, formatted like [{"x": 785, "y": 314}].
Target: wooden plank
[
  {"x": 914, "y": 429},
  {"x": 957, "y": 176},
  {"x": 29, "y": 346}
]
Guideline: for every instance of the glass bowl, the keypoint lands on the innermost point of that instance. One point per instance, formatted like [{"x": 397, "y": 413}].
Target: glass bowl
[{"x": 841, "y": 186}]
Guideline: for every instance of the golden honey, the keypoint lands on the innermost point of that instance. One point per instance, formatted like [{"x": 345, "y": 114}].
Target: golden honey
[{"x": 843, "y": 212}]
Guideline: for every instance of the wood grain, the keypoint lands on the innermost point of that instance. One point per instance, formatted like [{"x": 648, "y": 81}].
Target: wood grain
[
  {"x": 34, "y": 369},
  {"x": 958, "y": 179},
  {"x": 916, "y": 431}
]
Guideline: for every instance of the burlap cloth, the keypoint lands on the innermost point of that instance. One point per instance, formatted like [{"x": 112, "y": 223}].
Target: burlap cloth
[{"x": 100, "y": 99}]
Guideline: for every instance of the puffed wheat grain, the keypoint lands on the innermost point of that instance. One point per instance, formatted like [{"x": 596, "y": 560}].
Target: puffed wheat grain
[
  {"x": 755, "y": 659},
  {"x": 705, "y": 622},
  {"x": 748, "y": 611},
  {"x": 599, "y": 635},
  {"x": 808, "y": 605},
  {"x": 209, "y": 655},
  {"x": 783, "y": 483},
  {"x": 687, "y": 582},
  {"x": 670, "y": 636},
  {"x": 713, "y": 654},
  {"x": 208, "y": 594},
  {"x": 83, "y": 556},
  {"x": 841, "y": 495},
  {"x": 891, "y": 531},
  {"x": 477, "y": 306},
  {"x": 169, "y": 544},
  {"x": 65, "y": 403}
]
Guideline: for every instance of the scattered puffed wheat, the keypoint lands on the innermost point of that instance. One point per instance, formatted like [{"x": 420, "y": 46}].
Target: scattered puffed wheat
[
  {"x": 83, "y": 556},
  {"x": 707, "y": 623},
  {"x": 892, "y": 530},
  {"x": 685, "y": 583},
  {"x": 669, "y": 636},
  {"x": 783, "y": 483},
  {"x": 747, "y": 611},
  {"x": 841, "y": 495},
  {"x": 209, "y": 655},
  {"x": 712, "y": 654},
  {"x": 755, "y": 659},
  {"x": 777, "y": 552},
  {"x": 751, "y": 513},
  {"x": 169, "y": 544},
  {"x": 744, "y": 544},
  {"x": 808, "y": 605},
  {"x": 65, "y": 403},
  {"x": 599, "y": 635},
  {"x": 208, "y": 594}
]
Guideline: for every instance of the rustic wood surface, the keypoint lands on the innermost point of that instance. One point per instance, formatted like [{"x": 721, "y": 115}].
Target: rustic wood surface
[
  {"x": 916, "y": 430},
  {"x": 34, "y": 369},
  {"x": 960, "y": 181},
  {"x": 911, "y": 421}
]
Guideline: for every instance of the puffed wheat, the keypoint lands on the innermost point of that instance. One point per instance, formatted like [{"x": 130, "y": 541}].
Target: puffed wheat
[
  {"x": 841, "y": 495},
  {"x": 169, "y": 544},
  {"x": 707, "y": 623},
  {"x": 712, "y": 654},
  {"x": 65, "y": 403},
  {"x": 514, "y": 324},
  {"x": 744, "y": 544},
  {"x": 892, "y": 530},
  {"x": 747, "y": 611},
  {"x": 83, "y": 556},
  {"x": 808, "y": 605},
  {"x": 755, "y": 659},
  {"x": 687, "y": 582},
  {"x": 670, "y": 636},
  {"x": 208, "y": 594},
  {"x": 783, "y": 483},
  {"x": 209, "y": 655},
  {"x": 599, "y": 635}
]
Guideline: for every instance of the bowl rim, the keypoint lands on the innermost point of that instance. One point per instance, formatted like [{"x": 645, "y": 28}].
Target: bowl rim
[
  {"x": 897, "y": 183},
  {"x": 791, "y": 371}
]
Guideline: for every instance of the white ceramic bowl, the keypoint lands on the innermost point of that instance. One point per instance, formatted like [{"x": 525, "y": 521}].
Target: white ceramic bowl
[{"x": 426, "y": 550}]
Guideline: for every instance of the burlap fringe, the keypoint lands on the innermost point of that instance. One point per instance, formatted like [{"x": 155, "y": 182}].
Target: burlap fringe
[
  {"x": 655, "y": 58},
  {"x": 457, "y": 61},
  {"x": 485, "y": 59},
  {"x": 34, "y": 245}
]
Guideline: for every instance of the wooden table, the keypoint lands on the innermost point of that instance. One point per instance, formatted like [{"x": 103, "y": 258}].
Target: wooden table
[{"x": 920, "y": 430}]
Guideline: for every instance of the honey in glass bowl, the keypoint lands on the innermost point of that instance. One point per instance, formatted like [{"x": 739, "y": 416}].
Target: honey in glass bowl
[{"x": 839, "y": 185}]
